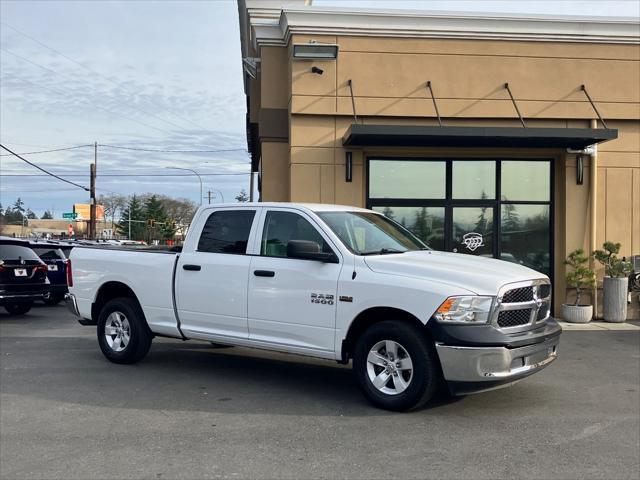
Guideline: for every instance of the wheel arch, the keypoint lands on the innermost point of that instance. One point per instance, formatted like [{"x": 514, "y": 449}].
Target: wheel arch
[
  {"x": 371, "y": 316},
  {"x": 108, "y": 291}
]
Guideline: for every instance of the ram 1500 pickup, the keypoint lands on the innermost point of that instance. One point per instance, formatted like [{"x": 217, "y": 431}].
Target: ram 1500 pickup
[{"x": 340, "y": 283}]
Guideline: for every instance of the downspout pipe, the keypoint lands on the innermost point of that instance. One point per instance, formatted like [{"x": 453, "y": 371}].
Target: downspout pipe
[{"x": 593, "y": 211}]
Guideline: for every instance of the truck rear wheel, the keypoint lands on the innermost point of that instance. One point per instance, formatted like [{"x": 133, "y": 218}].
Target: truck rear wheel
[
  {"x": 396, "y": 366},
  {"x": 123, "y": 333}
]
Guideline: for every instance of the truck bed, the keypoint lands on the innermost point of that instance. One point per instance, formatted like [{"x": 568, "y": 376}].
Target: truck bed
[{"x": 148, "y": 272}]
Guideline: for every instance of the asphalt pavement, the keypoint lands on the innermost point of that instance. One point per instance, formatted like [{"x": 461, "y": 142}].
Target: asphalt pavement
[{"x": 192, "y": 411}]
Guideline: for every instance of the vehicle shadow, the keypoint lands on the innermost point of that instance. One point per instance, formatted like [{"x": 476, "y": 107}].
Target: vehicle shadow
[{"x": 178, "y": 376}]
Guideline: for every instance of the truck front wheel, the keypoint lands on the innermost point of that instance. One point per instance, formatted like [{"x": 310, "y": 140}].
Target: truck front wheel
[
  {"x": 123, "y": 333},
  {"x": 396, "y": 366}
]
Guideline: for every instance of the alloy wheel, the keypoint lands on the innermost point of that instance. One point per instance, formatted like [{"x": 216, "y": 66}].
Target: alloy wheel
[{"x": 389, "y": 367}]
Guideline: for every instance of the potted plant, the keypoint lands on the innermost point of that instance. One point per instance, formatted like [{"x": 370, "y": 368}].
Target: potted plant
[
  {"x": 579, "y": 278},
  {"x": 615, "y": 284}
]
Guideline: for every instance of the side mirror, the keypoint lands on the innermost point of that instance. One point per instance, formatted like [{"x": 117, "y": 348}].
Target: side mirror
[{"x": 308, "y": 250}]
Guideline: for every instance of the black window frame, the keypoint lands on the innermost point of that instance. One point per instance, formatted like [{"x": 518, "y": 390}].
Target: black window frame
[
  {"x": 222, "y": 211},
  {"x": 449, "y": 202}
]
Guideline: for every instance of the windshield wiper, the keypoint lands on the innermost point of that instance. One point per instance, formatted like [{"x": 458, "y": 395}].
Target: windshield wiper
[{"x": 383, "y": 251}]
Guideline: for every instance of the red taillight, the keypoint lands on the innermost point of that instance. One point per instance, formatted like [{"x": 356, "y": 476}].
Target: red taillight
[
  {"x": 42, "y": 268},
  {"x": 69, "y": 274}
]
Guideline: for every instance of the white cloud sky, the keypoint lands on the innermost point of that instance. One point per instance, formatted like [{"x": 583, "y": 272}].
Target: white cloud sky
[{"x": 156, "y": 74}]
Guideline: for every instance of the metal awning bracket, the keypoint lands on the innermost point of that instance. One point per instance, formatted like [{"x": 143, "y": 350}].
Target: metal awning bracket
[
  {"x": 593, "y": 105},
  {"x": 353, "y": 101},
  {"x": 435, "y": 105},
  {"x": 515, "y": 105}
]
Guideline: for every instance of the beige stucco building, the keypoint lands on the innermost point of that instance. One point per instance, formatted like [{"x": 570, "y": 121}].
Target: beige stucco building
[{"x": 339, "y": 110}]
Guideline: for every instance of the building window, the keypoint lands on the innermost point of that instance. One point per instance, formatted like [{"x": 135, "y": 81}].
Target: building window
[{"x": 492, "y": 208}]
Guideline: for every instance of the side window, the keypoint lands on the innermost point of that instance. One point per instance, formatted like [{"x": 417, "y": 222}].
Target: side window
[
  {"x": 281, "y": 227},
  {"x": 226, "y": 231}
]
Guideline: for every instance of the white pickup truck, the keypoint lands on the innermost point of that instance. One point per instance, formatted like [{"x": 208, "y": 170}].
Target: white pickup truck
[{"x": 334, "y": 282}]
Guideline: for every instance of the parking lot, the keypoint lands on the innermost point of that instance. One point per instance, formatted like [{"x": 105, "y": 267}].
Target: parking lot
[{"x": 192, "y": 411}]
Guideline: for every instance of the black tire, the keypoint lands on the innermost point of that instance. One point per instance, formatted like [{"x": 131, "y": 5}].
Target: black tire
[
  {"x": 139, "y": 334},
  {"x": 18, "y": 308},
  {"x": 53, "y": 299},
  {"x": 423, "y": 378}
]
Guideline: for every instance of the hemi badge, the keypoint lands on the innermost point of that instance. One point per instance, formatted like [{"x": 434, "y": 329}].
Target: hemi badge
[{"x": 344, "y": 298}]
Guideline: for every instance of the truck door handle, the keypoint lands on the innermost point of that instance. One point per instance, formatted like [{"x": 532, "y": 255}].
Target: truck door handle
[
  {"x": 264, "y": 273},
  {"x": 194, "y": 268}
]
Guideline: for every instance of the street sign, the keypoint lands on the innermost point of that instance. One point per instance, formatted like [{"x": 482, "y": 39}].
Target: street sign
[{"x": 70, "y": 215}]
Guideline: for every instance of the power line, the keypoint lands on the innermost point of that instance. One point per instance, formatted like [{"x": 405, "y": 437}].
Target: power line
[
  {"x": 43, "y": 170},
  {"x": 46, "y": 151},
  {"x": 173, "y": 151},
  {"x": 96, "y": 73}
]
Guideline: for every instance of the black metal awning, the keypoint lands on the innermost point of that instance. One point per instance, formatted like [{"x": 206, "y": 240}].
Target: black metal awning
[{"x": 447, "y": 136}]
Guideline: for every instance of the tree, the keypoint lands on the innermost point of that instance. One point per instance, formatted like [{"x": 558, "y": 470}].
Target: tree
[
  {"x": 388, "y": 212},
  {"x": 136, "y": 228},
  {"x": 179, "y": 210},
  {"x": 112, "y": 203},
  {"x": 242, "y": 197},
  {"x": 163, "y": 228},
  {"x": 510, "y": 218},
  {"x": 423, "y": 224},
  {"x": 18, "y": 207},
  {"x": 47, "y": 215},
  {"x": 580, "y": 276},
  {"x": 30, "y": 215}
]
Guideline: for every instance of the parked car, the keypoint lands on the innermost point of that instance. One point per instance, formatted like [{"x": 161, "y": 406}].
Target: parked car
[
  {"x": 23, "y": 276},
  {"x": 339, "y": 283},
  {"x": 54, "y": 257}
]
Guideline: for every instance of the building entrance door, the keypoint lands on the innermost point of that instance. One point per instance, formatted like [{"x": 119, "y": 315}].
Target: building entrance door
[{"x": 494, "y": 208}]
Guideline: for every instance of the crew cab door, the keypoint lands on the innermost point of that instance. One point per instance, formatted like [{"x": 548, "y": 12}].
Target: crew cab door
[
  {"x": 212, "y": 275},
  {"x": 292, "y": 302}
]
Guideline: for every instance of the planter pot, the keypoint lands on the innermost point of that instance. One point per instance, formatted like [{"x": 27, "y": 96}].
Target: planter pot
[
  {"x": 615, "y": 299},
  {"x": 577, "y": 313}
]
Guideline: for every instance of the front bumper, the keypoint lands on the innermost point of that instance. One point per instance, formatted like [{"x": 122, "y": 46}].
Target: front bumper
[{"x": 471, "y": 369}]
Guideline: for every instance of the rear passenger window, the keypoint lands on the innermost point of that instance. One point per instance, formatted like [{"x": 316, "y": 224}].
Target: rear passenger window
[{"x": 226, "y": 231}]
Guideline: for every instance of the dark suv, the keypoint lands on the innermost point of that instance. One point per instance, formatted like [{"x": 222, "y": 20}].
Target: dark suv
[
  {"x": 56, "y": 261},
  {"x": 23, "y": 276}
]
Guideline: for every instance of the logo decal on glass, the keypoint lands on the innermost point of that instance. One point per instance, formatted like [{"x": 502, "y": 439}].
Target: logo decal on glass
[{"x": 472, "y": 240}]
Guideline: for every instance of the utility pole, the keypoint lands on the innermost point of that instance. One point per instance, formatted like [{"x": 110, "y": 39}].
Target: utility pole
[{"x": 92, "y": 193}]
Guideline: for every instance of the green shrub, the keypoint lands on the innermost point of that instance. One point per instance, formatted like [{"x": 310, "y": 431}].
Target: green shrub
[
  {"x": 613, "y": 266},
  {"x": 581, "y": 276}
]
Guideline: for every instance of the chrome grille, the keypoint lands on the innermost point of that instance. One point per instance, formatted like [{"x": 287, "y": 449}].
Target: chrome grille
[
  {"x": 513, "y": 318},
  {"x": 522, "y": 305},
  {"x": 517, "y": 295}
]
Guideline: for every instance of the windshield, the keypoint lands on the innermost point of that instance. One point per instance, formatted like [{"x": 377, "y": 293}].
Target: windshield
[{"x": 368, "y": 233}]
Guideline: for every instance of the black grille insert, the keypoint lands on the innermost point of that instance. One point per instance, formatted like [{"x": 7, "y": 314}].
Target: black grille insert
[
  {"x": 513, "y": 318},
  {"x": 544, "y": 290},
  {"x": 516, "y": 295},
  {"x": 542, "y": 313}
]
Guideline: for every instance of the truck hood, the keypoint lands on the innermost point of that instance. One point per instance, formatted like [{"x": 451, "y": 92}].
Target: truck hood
[{"x": 481, "y": 275}]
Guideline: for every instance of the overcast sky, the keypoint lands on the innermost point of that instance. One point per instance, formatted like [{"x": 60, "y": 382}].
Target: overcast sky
[{"x": 154, "y": 75}]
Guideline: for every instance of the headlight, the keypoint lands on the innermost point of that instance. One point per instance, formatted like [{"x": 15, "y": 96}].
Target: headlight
[{"x": 465, "y": 310}]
